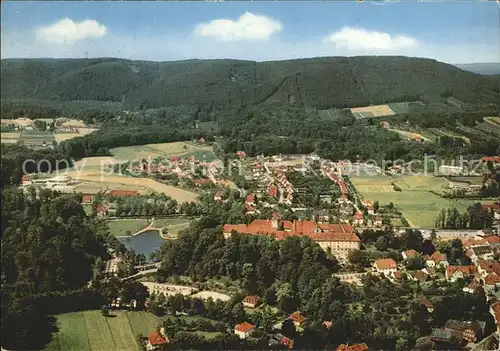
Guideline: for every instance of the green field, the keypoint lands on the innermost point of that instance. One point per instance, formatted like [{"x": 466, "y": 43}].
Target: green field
[
  {"x": 120, "y": 227},
  {"x": 89, "y": 330},
  {"x": 418, "y": 205},
  {"x": 165, "y": 150}
]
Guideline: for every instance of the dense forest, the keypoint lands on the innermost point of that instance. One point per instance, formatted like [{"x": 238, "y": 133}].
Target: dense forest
[{"x": 318, "y": 82}]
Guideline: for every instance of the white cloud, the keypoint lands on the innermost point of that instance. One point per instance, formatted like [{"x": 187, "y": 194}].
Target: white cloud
[
  {"x": 358, "y": 39},
  {"x": 247, "y": 27},
  {"x": 67, "y": 31}
]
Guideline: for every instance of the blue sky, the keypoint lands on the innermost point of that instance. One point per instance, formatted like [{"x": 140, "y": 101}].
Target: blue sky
[{"x": 454, "y": 32}]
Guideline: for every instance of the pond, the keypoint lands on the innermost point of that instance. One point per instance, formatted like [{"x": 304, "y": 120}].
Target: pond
[{"x": 145, "y": 243}]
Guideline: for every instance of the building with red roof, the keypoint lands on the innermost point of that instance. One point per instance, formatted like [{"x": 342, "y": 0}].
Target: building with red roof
[
  {"x": 428, "y": 304},
  {"x": 87, "y": 199},
  {"x": 272, "y": 191},
  {"x": 101, "y": 211},
  {"x": 358, "y": 219},
  {"x": 241, "y": 154},
  {"x": 203, "y": 181},
  {"x": 453, "y": 273},
  {"x": 156, "y": 340},
  {"x": 26, "y": 180},
  {"x": 244, "y": 330},
  {"x": 297, "y": 318},
  {"x": 251, "y": 301},
  {"x": 436, "y": 259},
  {"x": 385, "y": 266},
  {"x": 353, "y": 347},
  {"x": 339, "y": 239},
  {"x": 378, "y": 221},
  {"x": 250, "y": 199}
]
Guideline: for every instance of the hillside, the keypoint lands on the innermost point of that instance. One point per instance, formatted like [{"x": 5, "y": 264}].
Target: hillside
[{"x": 318, "y": 82}]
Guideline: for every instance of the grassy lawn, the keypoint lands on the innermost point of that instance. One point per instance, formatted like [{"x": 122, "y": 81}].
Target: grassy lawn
[
  {"x": 418, "y": 205},
  {"x": 183, "y": 149},
  {"x": 120, "y": 227},
  {"x": 89, "y": 330}
]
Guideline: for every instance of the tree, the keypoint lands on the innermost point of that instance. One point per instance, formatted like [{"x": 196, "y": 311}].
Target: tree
[
  {"x": 358, "y": 258},
  {"x": 382, "y": 243}
]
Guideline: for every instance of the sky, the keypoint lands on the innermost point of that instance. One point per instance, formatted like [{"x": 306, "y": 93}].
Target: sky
[{"x": 452, "y": 32}]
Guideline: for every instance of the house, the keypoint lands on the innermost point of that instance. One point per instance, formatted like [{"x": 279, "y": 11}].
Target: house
[
  {"x": 244, "y": 330},
  {"x": 272, "y": 191},
  {"x": 418, "y": 276},
  {"x": 493, "y": 240},
  {"x": 203, "y": 182},
  {"x": 378, "y": 221},
  {"x": 474, "y": 287},
  {"x": 480, "y": 253},
  {"x": 437, "y": 259},
  {"x": 241, "y": 154},
  {"x": 250, "y": 199},
  {"x": 218, "y": 196},
  {"x": 408, "y": 254},
  {"x": 339, "y": 239},
  {"x": 485, "y": 267},
  {"x": 102, "y": 211},
  {"x": 26, "y": 180},
  {"x": 358, "y": 219},
  {"x": 428, "y": 305},
  {"x": 430, "y": 271},
  {"x": 251, "y": 301},
  {"x": 450, "y": 170},
  {"x": 470, "y": 243},
  {"x": 87, "y": 199},
  {"x": 453, "y": 273},
  {"x": 369, "y": 207},
  {"x": 353, "y": 347},
  {"x": 385, "y": 124},
  {"x": 157, "y": 340},
  {"x": 201, "y": 140},
  {"x": 297, "y": 318},
  {"x": 287, "y": 342},
  {"x": 385, "y": 266},
  {"x": 467, "y": 330},
  {"x": 495, "y": 312},
  {"x": 396, "y": 276},
  {"x": 327, "y": 324},
  {"x": 492, "y": 281}
]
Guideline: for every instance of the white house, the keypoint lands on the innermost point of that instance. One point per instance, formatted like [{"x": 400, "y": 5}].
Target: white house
[
  {"x": 437, "y": 259},
  {"x": 244, "y": 330},
  {"x": 385, "y": 266}
]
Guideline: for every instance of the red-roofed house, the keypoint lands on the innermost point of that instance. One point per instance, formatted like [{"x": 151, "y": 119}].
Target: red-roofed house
[
  {"x": 241, "y": 154},
  {"x": 495, "y": 312},
  {"x": 244, "y": 330},
  {"x": 453, "y": 273},
  {"x": 408, "y": 254},
  {"x": 396, "y": 276},
  {"x": 493, "y": 240},
  {"x": 485, "y": 267},
  {"x": 87, "y": 199},
  {"x": 339, "y": 239},
  {"x": 353, "y": 347},
  {"x": 272, "y": 191},
  {"x": 437, "y": 259},
  {"x": 378, "y": 221},
  {"x": 428, "y": 304},
  {"x": 385, "y": 266},
  {"x": 203, "y": 181},
  {"x": 327, "y": 324},
  {"x": 251, "y": 301},
  {"x": 250, "y": 199},
  {"x": 297, "y": 318},
  {"x": 474, "y": 287},
  {"x": 202, "y": 140},
  {"x": 156, "y": 340},
  {"x": 492, "y": 281},
  {"x": 26, "y": 180},
  {"x": 287, "y": 342},
  {"x": 358, "y": 219},
  {"x": 101, "y": 211}
]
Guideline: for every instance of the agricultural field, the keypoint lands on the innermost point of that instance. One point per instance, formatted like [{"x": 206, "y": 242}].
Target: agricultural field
[
  {"x": 493, "y": 120},
  {"x": 89, "y": 330},
  {"x": 372, "y": 111},
  {"x": 121, "y": 226},
  {"x": 403, "y": 107},
  {"x": 449, "y": 133},
  {"x": 9, "y": 137},
  {"x": 67, "y": 136},
  {"x": 470, "y": 180},
  {"x": 173, "y": 225},
  {"x": 166, "y": 150},
  {"x": 417, "y": 204},
  {"x": 20, "y": 122},
  {"x": 35, "y": 138}
]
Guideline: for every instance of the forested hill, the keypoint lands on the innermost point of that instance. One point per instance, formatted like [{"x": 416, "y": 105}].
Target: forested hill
[{"x": 318, "y": 82}]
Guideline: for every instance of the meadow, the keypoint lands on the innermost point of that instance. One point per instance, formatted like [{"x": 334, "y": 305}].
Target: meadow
[
  {"x": 121, "y": 226},
  {"x": 90, "y": 330},
  {"x": 165, "y": 150},
  {"x": 418, "y": 205}
]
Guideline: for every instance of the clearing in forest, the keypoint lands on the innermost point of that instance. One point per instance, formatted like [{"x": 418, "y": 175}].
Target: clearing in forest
[
  {"x": 165, "y": 150},
  {"x": 372, "y": 111}
]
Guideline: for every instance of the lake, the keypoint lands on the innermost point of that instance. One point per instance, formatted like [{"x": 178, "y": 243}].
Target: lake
[{"x": 144, "y": 243}]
